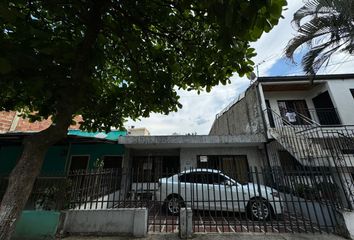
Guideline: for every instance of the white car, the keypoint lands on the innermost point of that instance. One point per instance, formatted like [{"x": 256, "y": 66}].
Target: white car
[{"x": 209, "y": 189}]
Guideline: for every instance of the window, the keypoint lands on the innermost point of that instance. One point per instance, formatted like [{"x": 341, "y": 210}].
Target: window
[
  {"x": 193, "y": 178},
  {"x": 152, "y": 168},
  {"x": 234, "y": 166},
  {"x": 289, "y": 109},
  {"x": 215, "y": 178},
  {"x": 79, "y": 163},
  {"x": 352, "y": 92},
  {"x": 203, "y": 178}
]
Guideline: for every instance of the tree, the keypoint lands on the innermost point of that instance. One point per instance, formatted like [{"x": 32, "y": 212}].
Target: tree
[
  {"x": 326, "y": 27},
  {"x": 109, "y": 60}
]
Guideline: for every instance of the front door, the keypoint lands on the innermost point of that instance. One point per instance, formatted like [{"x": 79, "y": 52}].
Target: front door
[{"x": 325, "y": 110}]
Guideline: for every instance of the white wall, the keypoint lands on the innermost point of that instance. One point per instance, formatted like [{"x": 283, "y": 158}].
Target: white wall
[
  {"x": 339, "y": 90},
  {"x": 342, "y": 99},
  {"x": 188, "y": 156},
  {"x": 131, "y": 221}
]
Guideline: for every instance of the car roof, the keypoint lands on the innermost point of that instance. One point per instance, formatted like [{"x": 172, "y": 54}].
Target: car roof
[{"x": 202, "y": 170}]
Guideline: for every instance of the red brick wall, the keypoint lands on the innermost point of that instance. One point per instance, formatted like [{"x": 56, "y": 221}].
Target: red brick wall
[
  {"x": 6, "y": 120},
  {"x": 24, "y": 125}
]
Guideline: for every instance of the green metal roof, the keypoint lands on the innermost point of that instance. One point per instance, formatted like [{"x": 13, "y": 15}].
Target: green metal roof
[{"x": 112, "y": 135}]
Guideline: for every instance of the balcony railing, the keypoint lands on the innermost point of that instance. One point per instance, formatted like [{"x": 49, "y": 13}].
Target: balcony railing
[
  {"x": 325, "y": 116},
  {"x": 314, "y": 116}
]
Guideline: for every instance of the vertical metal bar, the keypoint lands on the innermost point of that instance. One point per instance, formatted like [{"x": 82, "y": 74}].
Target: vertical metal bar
[
  {"x": 249, "y": 196},
  {"x": 272, "y": 211},
  {"x": 227, "y": 219},
  {"x": 244, "y": 203},
  {"x": 293, "y": 175},
  {"x": 200, "y": 215},
  {"x": 304, "y": 180},
  {"x": 221, "y": 203},
  {"x": 214, "y": 198}
]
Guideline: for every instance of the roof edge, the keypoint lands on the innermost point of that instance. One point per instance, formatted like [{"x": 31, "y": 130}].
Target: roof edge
[{"x": 306, "y": 77}]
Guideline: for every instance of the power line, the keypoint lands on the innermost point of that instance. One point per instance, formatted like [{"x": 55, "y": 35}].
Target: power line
[{"x": 329, "y": 65}]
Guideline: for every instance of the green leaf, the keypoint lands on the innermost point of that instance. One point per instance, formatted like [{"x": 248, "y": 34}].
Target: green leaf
[{"x": 5, "y": 66}]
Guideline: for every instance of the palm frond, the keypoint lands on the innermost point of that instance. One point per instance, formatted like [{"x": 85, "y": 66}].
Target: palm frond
[{"x": 325, "y": 26}]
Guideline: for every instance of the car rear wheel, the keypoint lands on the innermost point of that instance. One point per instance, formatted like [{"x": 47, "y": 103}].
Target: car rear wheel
[
  {"x": 173, "y": 204},
  {"x": 259, "y": 209}
]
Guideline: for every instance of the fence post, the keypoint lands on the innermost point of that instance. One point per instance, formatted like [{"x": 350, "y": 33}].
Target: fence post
[{"x": 185, "y": 223}]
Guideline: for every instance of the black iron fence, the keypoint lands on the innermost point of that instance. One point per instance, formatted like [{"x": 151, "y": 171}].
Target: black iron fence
[
  {"x": 48, "y": 193},
  {"x": 313, "y": 148},
  {"x": 274, "y": 200}
]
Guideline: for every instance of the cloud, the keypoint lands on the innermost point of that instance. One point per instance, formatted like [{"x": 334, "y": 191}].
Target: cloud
[
  {"x": 200, "y": 120},
  {"x": 198, "y": 112}
]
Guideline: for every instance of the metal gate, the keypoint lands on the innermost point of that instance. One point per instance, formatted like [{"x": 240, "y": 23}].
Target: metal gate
[{"x": 271, "y": 200}]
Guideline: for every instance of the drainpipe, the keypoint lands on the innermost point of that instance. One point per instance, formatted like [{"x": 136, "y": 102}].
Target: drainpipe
[
  {"x": 261, "y": 111},
  {"x": 265, "y": 130},
  {"x": 14, "y": 122}
]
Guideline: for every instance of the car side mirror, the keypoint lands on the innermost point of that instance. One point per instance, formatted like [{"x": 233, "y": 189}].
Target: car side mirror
[{"x": 228, "y": 183}]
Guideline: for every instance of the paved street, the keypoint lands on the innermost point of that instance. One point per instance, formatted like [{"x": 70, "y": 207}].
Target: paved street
[{"x": 224, "y": 222}]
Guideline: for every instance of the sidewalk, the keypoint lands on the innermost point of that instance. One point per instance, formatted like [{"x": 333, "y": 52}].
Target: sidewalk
[{"x": 225, "y": 236}]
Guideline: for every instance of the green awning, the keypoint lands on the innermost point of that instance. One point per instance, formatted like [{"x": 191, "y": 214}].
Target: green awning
[{"x": 112, "y": 135}]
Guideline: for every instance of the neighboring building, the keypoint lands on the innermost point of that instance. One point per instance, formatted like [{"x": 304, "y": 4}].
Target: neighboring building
[
  {"x": 79, "y": 151},
  {"x": 306, "y": 125},
  {"x": 138, "y": 131},
  {"x": 12, "y": 122},
  {"x": 71, "y": 154}
]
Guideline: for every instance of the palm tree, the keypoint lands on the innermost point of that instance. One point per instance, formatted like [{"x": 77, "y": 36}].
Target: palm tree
[{"x": 326, "y": 27}]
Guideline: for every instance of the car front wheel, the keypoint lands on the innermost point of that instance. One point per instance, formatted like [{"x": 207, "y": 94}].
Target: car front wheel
[
  {"x": 259, "y": 209},
  {"x": 173, "y": 204}
]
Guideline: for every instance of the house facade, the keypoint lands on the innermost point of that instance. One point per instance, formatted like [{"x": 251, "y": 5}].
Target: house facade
[
  {"x": 308, "y": 126},
  {"x": 155, "y": 156}
]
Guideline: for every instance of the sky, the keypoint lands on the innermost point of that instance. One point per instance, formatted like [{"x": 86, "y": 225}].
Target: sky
[{"x": 199, "y": 111}]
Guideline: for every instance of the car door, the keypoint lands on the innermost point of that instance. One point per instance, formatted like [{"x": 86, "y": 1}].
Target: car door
[
  {"x": 231, "y": 195},
  {"x": 203, "y": 194},
  {"x": 184, "y": 187},
  {"x": 194, "y": 189},
  {"x": 237, "y": 197},
  {"x": 218, "y": 191}
]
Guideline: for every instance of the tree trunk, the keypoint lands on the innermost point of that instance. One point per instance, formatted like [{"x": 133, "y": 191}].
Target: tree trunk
[
  {"x": 28, "y": 167},
  {"x": 24, "y": 174}
]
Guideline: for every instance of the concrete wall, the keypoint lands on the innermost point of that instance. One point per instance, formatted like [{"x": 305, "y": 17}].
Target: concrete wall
[
  {"x": 127, "y": 221},
  {"x": 244, "y": 117},
  {"x": 255, "y": 156}
]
